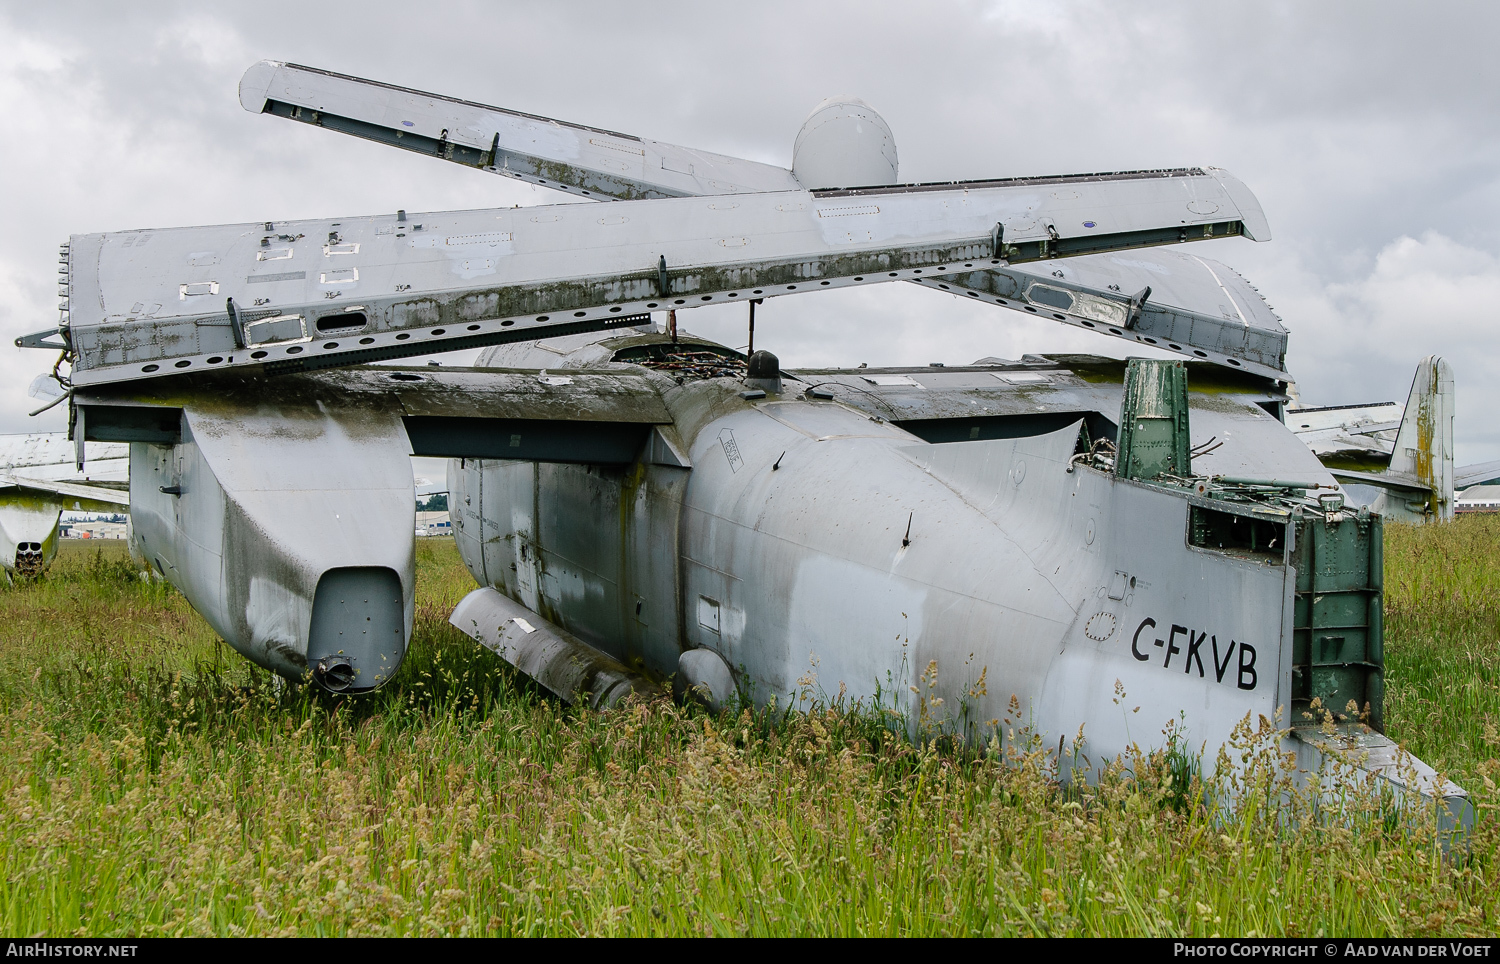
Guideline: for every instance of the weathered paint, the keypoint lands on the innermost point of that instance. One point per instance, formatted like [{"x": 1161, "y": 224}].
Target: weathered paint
[
  {"x": 552, "y": 656},
  {"x": 247, "y": 527},
  {"x": 39, "y": 481},
  {"x": 807, "y": 575},
  {"x": 1407, "y": 452}
]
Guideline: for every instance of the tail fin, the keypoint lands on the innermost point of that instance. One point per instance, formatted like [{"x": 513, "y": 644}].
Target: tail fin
[{"x": 1424, "y": 446}]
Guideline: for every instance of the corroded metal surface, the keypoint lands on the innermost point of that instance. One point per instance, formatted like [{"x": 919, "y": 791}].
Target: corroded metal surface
[
  {"x": 258, "y": 503},
  {"x": 564, "y": 664},
  {"x": 308, "y": 294}
]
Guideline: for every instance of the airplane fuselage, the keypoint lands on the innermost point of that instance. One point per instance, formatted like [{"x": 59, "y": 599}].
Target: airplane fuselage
[{"x": 823, "y": 549}]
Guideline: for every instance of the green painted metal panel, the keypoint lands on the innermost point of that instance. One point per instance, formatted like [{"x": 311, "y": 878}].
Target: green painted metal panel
[
  {"x": 1338, "y": 654},
  {"x": 1153, "y": 434}
]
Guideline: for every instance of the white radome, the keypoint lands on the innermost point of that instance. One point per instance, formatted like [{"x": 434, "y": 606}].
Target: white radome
[{"x": 844, "y": 143}]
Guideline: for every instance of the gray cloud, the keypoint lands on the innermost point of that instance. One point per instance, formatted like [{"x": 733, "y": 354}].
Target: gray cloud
[{"x": 1368, "y": 130}]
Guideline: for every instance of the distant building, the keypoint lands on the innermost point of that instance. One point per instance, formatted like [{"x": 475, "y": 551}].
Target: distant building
[
  {"x": 1479, "y": 498},
  {"x": 434, "y": 524},
  {"x": 93, "y": 529}
]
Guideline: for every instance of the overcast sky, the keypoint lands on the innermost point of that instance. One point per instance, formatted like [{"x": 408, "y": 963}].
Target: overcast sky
[{"x": 1367, "y": 130}]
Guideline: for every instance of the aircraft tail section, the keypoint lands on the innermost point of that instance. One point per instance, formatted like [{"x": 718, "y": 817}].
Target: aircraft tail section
[{"x": 1423, "y": 451}]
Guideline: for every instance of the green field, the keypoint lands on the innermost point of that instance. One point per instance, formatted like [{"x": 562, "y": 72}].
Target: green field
[{"x": 153, "y": 783}]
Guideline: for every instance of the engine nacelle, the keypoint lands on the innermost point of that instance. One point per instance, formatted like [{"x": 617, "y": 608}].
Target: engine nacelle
[{"x": 844, "y": 143}]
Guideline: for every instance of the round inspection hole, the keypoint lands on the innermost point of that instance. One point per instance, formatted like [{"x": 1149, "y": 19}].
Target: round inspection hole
[
  {"x": 541, "y": 317},
  {"x": 968, "y": 266},
  {"x": 1175, "y": 347},
  {"x": 331, "y": 344},
  {"x": 506, "y": 323},
  {"x": 579, "y": 314},
  {"x": 705, "y": 297},
  {"x": 294, "y": 350},
  {"x": 650, "y": 304},
  {"x": 893, "y": 274},
  {"x": 972, "y": 294},
  {"x": 1233, "y": 362},
  {"x": 473, "y": 328},
  {"x": 679, "y": 301},
  {"x": 825, "y": 282},
  {"x": 215, "y": 360},
  {"x": 1002, "y": 301},
  {"x": 996, "y": 261},
  {"x": 438, "y": 331},
  {"x": 791, "y": 287},
  {"x": 367, "y": 341},
  {"x": 859, "y": 277},
  {"x": 1031, "y": 309},
  {"x": 184, "y": 363},
  {"x": 257, "y": 354},
  {"x": 152, "y": 368},
  {"x": 1059, "y": 317},
  {"x": 1200, "y": 354},
  {"x": 734, "y": 294},
  {"x": 916, "y": 271},
  {"x": 1149, "y": 341},
  {"x": 945, "y": 287},
  {"x": 1116, "y": 331},
  {"x": 758, "y": 291},
  {"x": 614, "y": 310},
  {"x": 403, "y": 336},
  {"x": 1087, "y": 324}
]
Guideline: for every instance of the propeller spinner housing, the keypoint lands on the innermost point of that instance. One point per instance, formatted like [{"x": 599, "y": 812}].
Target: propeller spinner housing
[{"x": 844, "y": 143}]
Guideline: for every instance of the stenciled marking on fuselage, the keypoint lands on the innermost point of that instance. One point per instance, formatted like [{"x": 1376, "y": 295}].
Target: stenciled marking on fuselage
[
  {"x": 1246, "y": 676},
  {"x": 731, "y": 450}
]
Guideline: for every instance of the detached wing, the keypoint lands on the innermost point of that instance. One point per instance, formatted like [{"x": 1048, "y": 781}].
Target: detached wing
[
  {"x": 585, "y": 161},
  {"x": 1196, "y": 307},
  {"x": 301, "y": 295}
]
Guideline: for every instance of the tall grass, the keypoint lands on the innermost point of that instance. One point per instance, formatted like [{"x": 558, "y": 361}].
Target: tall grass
[
  {"x": 153, "y": 783},
  {"x": 1442, "y": 617}
]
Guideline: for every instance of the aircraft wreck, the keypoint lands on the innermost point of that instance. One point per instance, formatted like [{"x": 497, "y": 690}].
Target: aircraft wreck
[{"x": 638, "y": 505}]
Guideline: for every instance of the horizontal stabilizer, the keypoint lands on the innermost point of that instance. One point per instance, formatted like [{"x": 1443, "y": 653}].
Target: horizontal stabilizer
[
  {"x": 1397, "y": 482},
  {"x": 292, "y": 296},
  {"x": 580, "y": 160}
]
